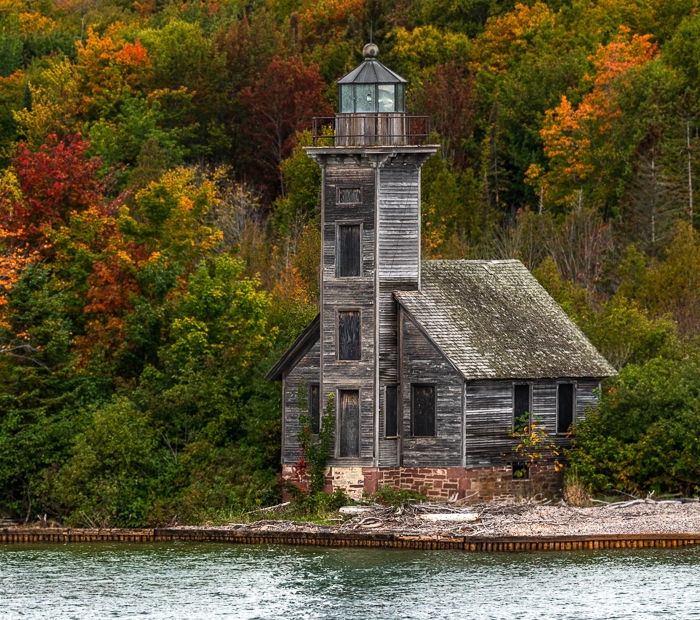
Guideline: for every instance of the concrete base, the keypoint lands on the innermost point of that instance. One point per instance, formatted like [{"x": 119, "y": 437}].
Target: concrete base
[{"x": 477, "y": 484}]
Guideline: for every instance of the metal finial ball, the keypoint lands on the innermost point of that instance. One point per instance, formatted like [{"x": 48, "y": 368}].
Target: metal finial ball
[{"x": 370, "y": 50}]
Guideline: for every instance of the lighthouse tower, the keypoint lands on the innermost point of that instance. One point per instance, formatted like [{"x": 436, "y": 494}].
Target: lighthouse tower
[{"x": 370, "y": 155}]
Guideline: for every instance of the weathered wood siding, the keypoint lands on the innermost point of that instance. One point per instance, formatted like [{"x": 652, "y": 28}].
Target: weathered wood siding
[
  {"x": 399, "y": 221},
  {"x": 422, "y": 362},
  {"x": 398, "y": 269},
  {"x": 586, "y": 396},
  {"x": 306, "y": 371},
  {"x": 349, "y": 293},
  {"x": 489, "y": 415}
]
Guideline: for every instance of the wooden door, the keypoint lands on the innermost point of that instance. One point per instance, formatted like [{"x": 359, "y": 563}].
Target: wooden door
[{"x": 349, "y": 423}]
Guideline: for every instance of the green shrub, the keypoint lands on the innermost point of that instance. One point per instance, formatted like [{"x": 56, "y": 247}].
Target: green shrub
[
  {"x": 645, "y": 434},
  {"x": 396, "y": 497}
]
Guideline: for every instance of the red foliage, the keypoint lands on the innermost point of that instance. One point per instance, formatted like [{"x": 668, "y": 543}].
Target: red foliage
[
  {"x": 282, "y": 101},
  {"x": 449, "y": 98},
  {"x": 55, "y": 180}
]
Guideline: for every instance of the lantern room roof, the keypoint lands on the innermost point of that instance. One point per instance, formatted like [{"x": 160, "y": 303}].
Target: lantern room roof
[{"x": 371, "y": 71}]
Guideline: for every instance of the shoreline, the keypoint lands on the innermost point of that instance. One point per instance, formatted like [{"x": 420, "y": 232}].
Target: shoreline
[{"x": 244, "y": 535}]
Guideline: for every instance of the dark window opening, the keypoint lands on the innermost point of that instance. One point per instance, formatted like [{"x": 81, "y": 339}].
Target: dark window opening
[
  {"x": 315, "y": 407},
  {"x": 349, "y": 195},
  {"x": 521, "y": 406},
  {"x": 391, "y": 426},
  {"x": 565, "y": 407},
  {"x": 348, "y": 251},
  {"x": 423, "y": 410},
  {"x": 521, "y": 471},
  {"x": 349, "y": 335},
  {"x": 349, "y": 423}
]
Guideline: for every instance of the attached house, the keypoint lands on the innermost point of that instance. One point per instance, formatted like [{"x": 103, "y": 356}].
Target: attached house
[{"x": 431, "y": 364}]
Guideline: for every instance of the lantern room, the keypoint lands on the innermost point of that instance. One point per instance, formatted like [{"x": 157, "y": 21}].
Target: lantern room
[
  {"x": 371, "y": 87},
  {"x": 371, "y": 109}
]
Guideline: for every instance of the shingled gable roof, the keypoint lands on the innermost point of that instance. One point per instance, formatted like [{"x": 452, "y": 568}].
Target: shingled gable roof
[
  {"x": 493, "y": 320},
  {"x": 299, "y": 348}
]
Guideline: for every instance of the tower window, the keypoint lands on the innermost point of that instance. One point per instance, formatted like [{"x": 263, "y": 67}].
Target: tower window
[
  {"x": 349, "y": 423},
  {"x": 348, "y": 253},
  {"x": 349, "y": 335}
]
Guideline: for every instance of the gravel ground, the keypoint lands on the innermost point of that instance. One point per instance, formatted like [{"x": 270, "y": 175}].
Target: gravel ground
[
  {"x": 512, "y": 519},
  {"x": 567, "y": 521}
]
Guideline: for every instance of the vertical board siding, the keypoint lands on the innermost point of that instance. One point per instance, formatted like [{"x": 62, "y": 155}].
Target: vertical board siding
[
  {"x": 423, "y": 363},
  {"x": 306, "y": 371},
  {"x": 399, "y": 263},
  {"x": 399, "y": 221}
]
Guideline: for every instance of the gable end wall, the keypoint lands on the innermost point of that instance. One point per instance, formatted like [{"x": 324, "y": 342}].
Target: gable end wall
[{"x": 306, "y": 371}]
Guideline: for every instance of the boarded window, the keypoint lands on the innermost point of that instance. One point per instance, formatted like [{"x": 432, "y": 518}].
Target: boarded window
[
  {"x": 315, "y": 407},
  {"x": 349, "y": 335},
  {"x": 349, "y": 195},
  {"x": 521, "y": 406},
  {"x": 348, "y": 251},
  {"x": 423, "y": 410},
  {"x": 349, "y": 423},
  {"x": 390, "y": 411},
  {"x": 565, "y": 407}
]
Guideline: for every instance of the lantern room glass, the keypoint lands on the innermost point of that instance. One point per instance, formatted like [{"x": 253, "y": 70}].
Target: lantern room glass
[
  {"x": 370, "y": 98},
  {"x": 347, "y": 99},
  {"x": 386, "y": 98}
]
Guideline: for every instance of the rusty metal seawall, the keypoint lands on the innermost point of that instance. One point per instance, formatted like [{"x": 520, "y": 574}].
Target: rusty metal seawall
[{"x": 346, "y": 539}]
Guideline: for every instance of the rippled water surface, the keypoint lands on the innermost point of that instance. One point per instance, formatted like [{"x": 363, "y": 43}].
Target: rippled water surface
[{"x": 220, "y": 581}]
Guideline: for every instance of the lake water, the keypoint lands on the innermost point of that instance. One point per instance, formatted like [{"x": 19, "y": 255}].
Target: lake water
[{"x": 182, "y": 580}]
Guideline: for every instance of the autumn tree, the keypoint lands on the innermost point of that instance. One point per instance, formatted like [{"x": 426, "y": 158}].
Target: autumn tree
[
  {"x": 58, "y": 178},
  {"x": 280, "y": 103},
  {"x": 588, "y": 145}
]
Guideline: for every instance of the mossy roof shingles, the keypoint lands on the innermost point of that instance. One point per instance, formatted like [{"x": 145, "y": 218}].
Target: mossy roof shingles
[{"x": 493, "y": 320}]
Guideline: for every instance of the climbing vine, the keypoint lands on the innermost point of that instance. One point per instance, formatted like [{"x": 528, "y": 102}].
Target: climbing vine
[{"x": 316, "y": 447}]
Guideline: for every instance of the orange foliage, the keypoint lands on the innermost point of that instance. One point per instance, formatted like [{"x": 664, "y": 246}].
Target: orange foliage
[
  {"x": 107, "y": 67},
  {"x": 327, "y": 20},
  {"x": 573, "y": 136}
]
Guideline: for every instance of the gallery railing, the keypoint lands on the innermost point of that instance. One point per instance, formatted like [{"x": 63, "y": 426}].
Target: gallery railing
[{"x": 378, "y": 129}]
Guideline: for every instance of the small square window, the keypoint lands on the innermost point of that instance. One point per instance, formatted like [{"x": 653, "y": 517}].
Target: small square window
[
  {"x": 521, "y": 471},
  {"x": 349, "y": 195}
]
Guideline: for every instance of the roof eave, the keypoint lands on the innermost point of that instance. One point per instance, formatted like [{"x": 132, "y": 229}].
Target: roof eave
[{"x": 296, "y": 351}]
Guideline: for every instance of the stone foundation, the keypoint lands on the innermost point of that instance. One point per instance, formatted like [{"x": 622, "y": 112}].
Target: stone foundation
[{"x": 478, "y": 484}]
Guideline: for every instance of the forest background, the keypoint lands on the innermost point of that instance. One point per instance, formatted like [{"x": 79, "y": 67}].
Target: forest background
[{"x": 160, "y": 235}]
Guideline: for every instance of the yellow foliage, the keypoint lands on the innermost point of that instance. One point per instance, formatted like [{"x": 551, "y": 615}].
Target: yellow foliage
[
  {"x": 508, "y": 36},
  {"x": 426, "y": 46},
  {"x": 35, "y": 23}
]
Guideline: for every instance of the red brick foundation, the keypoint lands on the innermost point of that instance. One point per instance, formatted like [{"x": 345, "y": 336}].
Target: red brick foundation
[{"x": 477, "y": 484}]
